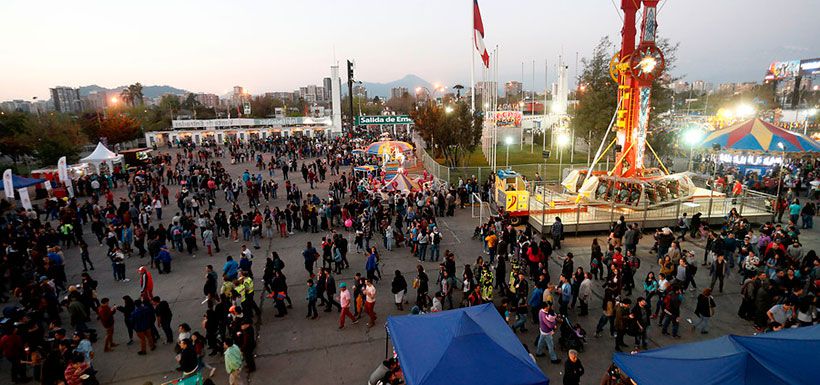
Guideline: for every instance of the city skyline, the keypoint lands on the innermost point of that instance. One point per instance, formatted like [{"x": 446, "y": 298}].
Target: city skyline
[{"x": 270, "y": 47}]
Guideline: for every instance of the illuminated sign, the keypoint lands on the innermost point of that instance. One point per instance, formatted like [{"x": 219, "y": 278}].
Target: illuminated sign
[
  {"x": 783, "y": 69},
  {"x": 383, "y": 119}
]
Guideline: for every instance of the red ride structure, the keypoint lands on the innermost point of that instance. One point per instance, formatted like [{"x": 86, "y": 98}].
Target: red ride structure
[{"x": 635, "y": 69}]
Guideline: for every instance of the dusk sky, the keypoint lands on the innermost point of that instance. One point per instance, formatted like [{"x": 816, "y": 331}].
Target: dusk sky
[{"x": 210, "y": 46}]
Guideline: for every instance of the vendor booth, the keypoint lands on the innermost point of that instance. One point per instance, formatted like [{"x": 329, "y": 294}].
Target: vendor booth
[
  {"x": 21, "y": 182},
  {"x": 136, "y": 156},
  {"x": 52, "y": 176},
  {"x": 471, "y": 345},
  {"x": 102, "y": 155},
  {"x": 785, "y": 357}
]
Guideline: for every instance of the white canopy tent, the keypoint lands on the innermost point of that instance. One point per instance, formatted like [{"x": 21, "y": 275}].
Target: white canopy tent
[{"x": 102, "y": 155}]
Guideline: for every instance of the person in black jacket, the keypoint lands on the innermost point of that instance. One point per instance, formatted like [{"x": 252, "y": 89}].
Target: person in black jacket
[
  {"x": 188, "y": 360},
  {"x": 573, "y": 369},
  {"x": 399, "y": 289}
]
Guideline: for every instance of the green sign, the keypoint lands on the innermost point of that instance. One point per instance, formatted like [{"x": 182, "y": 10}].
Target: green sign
[{"x": 383, "y": 119}]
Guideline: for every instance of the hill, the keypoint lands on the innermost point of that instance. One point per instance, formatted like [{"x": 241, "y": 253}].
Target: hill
[
  {"x": 147, "y": 91},
  {"x": 382, "y": 90}
]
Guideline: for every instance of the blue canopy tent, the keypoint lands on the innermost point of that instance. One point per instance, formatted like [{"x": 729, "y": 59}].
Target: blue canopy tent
[
  {"x": 470, "y": 345},
  {"x": 785, "y": 357},
  {"x": 21, "y": 181}
]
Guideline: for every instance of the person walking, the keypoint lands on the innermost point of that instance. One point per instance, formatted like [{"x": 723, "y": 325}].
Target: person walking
[
  {"x": 704, "y": 309},
  {"x": 719, "y": 270},
  {"x": 672, "y": 303},
  {"x": 399, "y": 289},
  {"x": 344, "y": 298},
  {"x": 557, "y": 232},
  {"x": 370, "y": 303},
  {"x": 311, "y": 298},
  {"x": 142, "y": 318},
  {"x": 573, "y": 369},
  {"x": 547, "y": 324},
  {"x": 233, "y": 362},
  {"x": 106, "y": 316},
  {"x": 330, "y": 290}
]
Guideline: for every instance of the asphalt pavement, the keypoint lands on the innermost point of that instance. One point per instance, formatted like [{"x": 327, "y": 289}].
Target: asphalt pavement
[{"x": 295, "y": 350}]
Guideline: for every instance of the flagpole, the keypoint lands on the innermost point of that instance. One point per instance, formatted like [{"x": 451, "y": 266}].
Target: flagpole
[{"x": 472, "y": 57}]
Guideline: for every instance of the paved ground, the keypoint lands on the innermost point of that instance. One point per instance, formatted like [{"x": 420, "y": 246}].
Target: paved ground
[{"x": 294, "y": 350}]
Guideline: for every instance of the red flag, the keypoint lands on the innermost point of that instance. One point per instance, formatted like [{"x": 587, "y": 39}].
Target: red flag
[{"x": 478, "y": 35}]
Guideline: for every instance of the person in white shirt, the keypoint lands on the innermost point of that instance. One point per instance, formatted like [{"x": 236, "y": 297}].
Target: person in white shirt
[{"x": 370, "y": 303}]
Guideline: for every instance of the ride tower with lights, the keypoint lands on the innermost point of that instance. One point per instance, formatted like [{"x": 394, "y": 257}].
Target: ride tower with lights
[{"x": 635, "y": 69}]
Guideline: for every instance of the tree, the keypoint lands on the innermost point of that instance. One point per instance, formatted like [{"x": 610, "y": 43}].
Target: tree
[
  {"x": 54, "y": 136},
  {"x": 597, "y": 101},
  {"x": 264, "y": 106},
  {"x": 452, "y": 134},
  {"x": 13, "y": 142},
  {"x": 119, "y": 128},
  {"x": 190, "y": 102},
  {"x": 132, "y": 95},
  {"x": 403, "y": 104}
]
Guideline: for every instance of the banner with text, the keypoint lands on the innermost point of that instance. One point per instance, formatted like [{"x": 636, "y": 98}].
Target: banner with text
[
  {"x": 383, "y": 119},
  {"x": 507, "y": 118}
]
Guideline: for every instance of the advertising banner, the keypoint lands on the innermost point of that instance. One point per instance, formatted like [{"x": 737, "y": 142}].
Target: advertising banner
[
  {"x": 507, "y": 118},
  {"x": 62, "y": 169},
  {"x": 810, "y": 67},
  {"x": 8, "y": 185},
  {"x": 24, "y": 198},
  {"x": 783, "y": 69}
]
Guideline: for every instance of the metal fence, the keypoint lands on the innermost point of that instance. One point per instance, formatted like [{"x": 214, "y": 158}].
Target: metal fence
[
  {"x": 548, "y": 172},
  {"x": 581, "y": 217}
]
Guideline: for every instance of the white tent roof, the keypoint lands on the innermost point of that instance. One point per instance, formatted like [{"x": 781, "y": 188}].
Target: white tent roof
[{"x": 101, "y": 154}]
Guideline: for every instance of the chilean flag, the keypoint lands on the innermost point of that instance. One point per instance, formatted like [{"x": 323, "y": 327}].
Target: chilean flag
[{"x": 478, "y": 35}]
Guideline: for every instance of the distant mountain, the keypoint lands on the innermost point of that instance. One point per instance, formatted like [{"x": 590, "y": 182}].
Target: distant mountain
[
  {"x": 147, "y": 91},
  {"x": 382, "y": 90}
]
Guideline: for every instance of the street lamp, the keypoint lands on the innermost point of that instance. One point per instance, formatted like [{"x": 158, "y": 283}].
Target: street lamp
[
  {"x": 509, "y": 141},
  {"x": 809, "y": 112},
  {"x": 562, "y": 141},
  {"x": 692, "y": 137},
  {"x": 782, "y": 148},
  {"x": 448, "y": 109}
]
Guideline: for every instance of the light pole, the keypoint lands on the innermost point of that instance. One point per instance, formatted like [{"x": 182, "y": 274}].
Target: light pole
[
  {"x": 780, "y": 174},
  {"x": 561, "y": 141},
  {"x": 508, "y": 140},
  {"x": 809, "y": 112},
  {"x": 692, "y": 137}
]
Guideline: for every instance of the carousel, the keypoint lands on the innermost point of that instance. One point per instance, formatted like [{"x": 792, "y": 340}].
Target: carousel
[{"x": 390, "y": 151}]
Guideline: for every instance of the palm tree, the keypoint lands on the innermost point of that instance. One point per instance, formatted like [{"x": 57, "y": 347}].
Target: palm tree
[
  {"x": 126, "y": 97},
  {"x": 458, "y": 88},
  {"x": 136, "y": 93}
]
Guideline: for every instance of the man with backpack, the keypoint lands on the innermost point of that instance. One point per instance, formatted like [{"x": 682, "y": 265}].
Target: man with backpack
[{"x": 435, "y": 241}]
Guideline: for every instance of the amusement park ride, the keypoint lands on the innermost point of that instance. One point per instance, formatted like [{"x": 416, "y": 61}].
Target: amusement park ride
[{"x": 634, "y": 69}]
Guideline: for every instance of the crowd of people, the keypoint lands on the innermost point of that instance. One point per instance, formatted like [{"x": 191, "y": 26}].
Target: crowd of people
[{"x": 187, "y": 203}]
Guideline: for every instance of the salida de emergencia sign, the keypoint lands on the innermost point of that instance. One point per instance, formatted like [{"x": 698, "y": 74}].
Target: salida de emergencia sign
[{"x": 383, "y": 119}]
